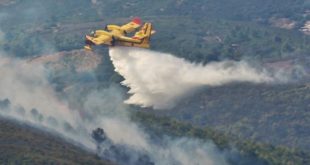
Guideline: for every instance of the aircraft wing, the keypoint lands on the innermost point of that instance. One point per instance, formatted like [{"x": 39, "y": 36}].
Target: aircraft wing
[
  {"x": 132, "y": 26},
  {"x": 100, "y": 39}
]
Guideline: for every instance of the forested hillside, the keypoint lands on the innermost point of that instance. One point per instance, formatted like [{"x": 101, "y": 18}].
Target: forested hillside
[
  {"x": 21, "y": 144},
  {"x": 267, "y": 122},
  {"x": 272, "y": 114},
  {"x": 205, "y": 30},
  {"x": 248, "y": 151}
]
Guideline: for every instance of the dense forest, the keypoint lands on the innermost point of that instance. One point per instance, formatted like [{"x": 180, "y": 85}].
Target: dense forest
[
  {"x": 249, "y": 151},
  {"x": 205, "y": 30}
]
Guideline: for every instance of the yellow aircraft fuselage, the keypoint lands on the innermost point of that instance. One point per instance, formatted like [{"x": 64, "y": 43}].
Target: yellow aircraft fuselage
[{"x": 116, "y": 35}]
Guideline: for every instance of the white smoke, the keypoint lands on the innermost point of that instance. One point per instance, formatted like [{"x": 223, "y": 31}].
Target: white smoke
[
  {"x": 32, "y": 100},
  {"x": 108, "y": 111},
  {"x": 200, "y": 153},
  {"x": 160, "y": 79}
]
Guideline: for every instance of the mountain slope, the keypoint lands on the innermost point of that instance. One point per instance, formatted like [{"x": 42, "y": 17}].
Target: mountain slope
[
  {"x": 21, "y": 144},
  {"x": 274, "y": 114}
]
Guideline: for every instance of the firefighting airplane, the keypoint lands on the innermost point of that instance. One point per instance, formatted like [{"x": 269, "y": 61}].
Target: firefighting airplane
[{"x": 115, "y": 35}]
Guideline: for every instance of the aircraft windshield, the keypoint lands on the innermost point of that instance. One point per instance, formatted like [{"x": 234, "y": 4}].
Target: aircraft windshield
[{"x": 92, "y": 33}]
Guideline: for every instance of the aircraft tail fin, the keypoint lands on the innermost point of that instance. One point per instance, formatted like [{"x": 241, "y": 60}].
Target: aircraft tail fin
[
  {"x": 148, "y": 33},
  {"x": 145, "y": 35}
]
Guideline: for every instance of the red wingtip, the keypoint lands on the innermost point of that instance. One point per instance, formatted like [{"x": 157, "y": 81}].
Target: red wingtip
[{"x": 137, "y": 20}]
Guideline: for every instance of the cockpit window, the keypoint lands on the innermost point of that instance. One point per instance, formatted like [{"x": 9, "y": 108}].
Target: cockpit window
[{"x": 92, "y": 33}]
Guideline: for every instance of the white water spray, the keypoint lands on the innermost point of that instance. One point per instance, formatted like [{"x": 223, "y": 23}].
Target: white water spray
[{"x": 160, "y": 79}]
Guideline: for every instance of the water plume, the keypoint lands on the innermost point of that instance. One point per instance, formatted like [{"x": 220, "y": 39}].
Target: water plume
[{"x": 159, "y": 80}]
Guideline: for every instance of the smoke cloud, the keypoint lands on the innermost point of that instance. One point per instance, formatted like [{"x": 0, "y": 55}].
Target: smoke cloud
[
  {"x": 26, "y": 95},
  {"x": 155, "y": 79},
  {"x": 133, "y": 143},
  {"x": 160, "y": 79}
]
